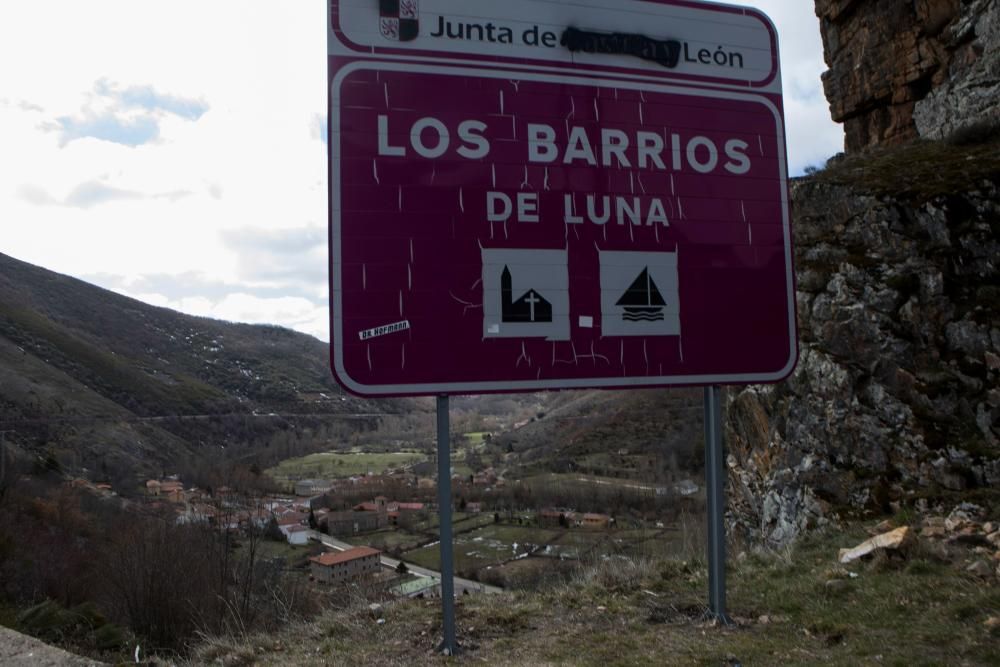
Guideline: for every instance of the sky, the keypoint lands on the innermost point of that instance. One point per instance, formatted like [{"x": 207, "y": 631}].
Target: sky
[{"x": 175, "y": 151}]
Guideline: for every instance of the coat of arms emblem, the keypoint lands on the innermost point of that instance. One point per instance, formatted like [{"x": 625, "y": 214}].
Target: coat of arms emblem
[{"x": 399, "y": 20}]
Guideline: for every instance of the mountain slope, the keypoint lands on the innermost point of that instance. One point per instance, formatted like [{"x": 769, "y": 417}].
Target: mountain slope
[
  {"x": 101, "y": 381},
  {"x": 642, "y": 435}
]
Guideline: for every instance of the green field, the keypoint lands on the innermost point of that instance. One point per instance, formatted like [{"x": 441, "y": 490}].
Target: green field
[
  {"x": 490, "y": 545},
  {"x": 494, "y": 543},
  {"x": 292, "y": 555},
  {"x": 330, "y": 465},
  {"x": 420, "y": 532},
  {"x": 386, "y": 539},
  {"x": 590, "y": 483}
]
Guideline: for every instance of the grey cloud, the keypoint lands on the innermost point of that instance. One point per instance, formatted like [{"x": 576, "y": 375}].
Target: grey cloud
[
  {"x": 194, "y": 284},
  {"x": 108, "y": 127},
  {"x": 146, "y": 97},
  {"x": 109, "y": 121},
  {"x": 319, "y": 128},
  {"x": 173, "y": 195},
  {"x": 287, "y": 255},
  {"x": 92, "y": 193},
  {"x": 36, "y": 195},
  {"x": 283, "y": 241}
]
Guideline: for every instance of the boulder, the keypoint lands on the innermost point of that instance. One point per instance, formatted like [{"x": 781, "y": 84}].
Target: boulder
[
  {"x": 980, "y": 568},
  {"x": 964, "y": 515},
  {"x": 895, "y": 540}
]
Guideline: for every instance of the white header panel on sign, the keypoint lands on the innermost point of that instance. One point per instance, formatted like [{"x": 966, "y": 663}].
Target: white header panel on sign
[{"x": 712, "y": 43}]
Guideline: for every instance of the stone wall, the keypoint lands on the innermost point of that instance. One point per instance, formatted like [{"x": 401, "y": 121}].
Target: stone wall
[
  {"x": 896, "y": 395},
  {"x": 900, "y": 69}
]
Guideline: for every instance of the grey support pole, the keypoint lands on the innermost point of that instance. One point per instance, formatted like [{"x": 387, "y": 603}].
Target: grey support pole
[
  {"x": 3, "y": 456},
  {"x": 715, "y": 476},
  {"x": 444, "y": 516}
]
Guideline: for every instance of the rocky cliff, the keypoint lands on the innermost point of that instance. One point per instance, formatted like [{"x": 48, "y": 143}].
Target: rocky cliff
[
  {"x": 895, "y": 400},
  {"x": 900, "y": 69}
]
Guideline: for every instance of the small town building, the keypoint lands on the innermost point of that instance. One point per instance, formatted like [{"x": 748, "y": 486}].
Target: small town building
[
  {"x": 595, "y": 520},
  {"x": 297, "y": 535},
  {"x": 485, "y": 478},
  {"x": 343, "y": 566},
  {"x": 410, "y": 507},
  {"x": 420, "y": 587},
  {"x": 352, "y": 523},
  {"x": 306, "y": 488},
  {"x": 554, "y": 517},
  {"x": 293, "y": 519}
]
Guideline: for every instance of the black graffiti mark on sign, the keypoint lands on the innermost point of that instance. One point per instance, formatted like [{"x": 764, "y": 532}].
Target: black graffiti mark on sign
[
  {"x": 642, "y": 300},
  {"x": 663, "y": 52},
  {"x": 531, "y": 307}
]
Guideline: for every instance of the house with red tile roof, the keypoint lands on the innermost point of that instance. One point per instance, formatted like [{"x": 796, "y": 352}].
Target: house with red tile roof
[{"x": 337, "y": 567}]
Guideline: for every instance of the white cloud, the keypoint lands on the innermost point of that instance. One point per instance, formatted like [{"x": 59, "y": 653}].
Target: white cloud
[{"x": 295, "y": 313}]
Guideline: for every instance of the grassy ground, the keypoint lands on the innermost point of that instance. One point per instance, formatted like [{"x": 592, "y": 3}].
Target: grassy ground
[
  {"x": 586, "y": 483},
  {"x": 920, "y": 170},
  {"x": 490, "y": 545},
  {"x": 408, "y": 539},
  {"x": 329, "y": 465},
  {"x": 922, "y": 610},
  {"x": 272, "y": 549},
  {"x": 385, "y": 539}
]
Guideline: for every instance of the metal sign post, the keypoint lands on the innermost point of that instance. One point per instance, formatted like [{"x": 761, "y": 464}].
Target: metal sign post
[
  {"x": 3, "y": 457},
  {"x": 716, "y": 501},
  {"x": 444, "y": 518}
]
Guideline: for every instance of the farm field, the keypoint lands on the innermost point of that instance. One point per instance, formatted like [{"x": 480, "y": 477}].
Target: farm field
[
  {"x": 490, "y": 545},
  {"x": 386, "y": 539},
  {"x": 409, "y": 538},
  {"x": 581, "y": 482},
  {"x": 330, "y": 465},
  {"x": 496, "y": 544}
]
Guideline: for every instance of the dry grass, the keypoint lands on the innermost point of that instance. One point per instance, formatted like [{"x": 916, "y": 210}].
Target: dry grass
[
  {"x": 797, "y": 607},
  {"x": 921, "y": 170}
]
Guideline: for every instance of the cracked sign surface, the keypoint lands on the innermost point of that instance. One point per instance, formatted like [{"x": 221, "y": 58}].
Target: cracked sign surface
[{"x": 507, "y": 215}]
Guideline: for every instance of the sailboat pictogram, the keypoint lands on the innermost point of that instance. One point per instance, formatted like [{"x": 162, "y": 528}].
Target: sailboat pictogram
[{"x": 642, "y": 300}]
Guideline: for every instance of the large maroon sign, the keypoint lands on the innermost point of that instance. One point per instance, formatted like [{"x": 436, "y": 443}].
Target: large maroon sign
[{"x": 568, "y": 197}]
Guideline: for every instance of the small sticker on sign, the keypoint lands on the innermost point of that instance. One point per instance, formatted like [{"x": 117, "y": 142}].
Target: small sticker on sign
[
  {"x": 384, "y": 330},
  {"x": 586, "y": 322},
  {"x": 493, "y": 329}
]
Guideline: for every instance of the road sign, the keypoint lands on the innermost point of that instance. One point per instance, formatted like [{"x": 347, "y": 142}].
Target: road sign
[{"x": 540, "y": 195}]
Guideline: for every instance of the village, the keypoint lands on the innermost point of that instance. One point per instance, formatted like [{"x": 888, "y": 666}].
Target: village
[{"x": 377, "y": 532}]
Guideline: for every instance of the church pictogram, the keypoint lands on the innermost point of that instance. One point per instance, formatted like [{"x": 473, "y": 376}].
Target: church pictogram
[{"x": 530, "y": 307}]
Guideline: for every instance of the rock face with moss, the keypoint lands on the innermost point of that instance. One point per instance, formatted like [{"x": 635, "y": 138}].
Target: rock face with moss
[
  {"x": 900, "y": 69},
  {"x": 896, "y": 392}
]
